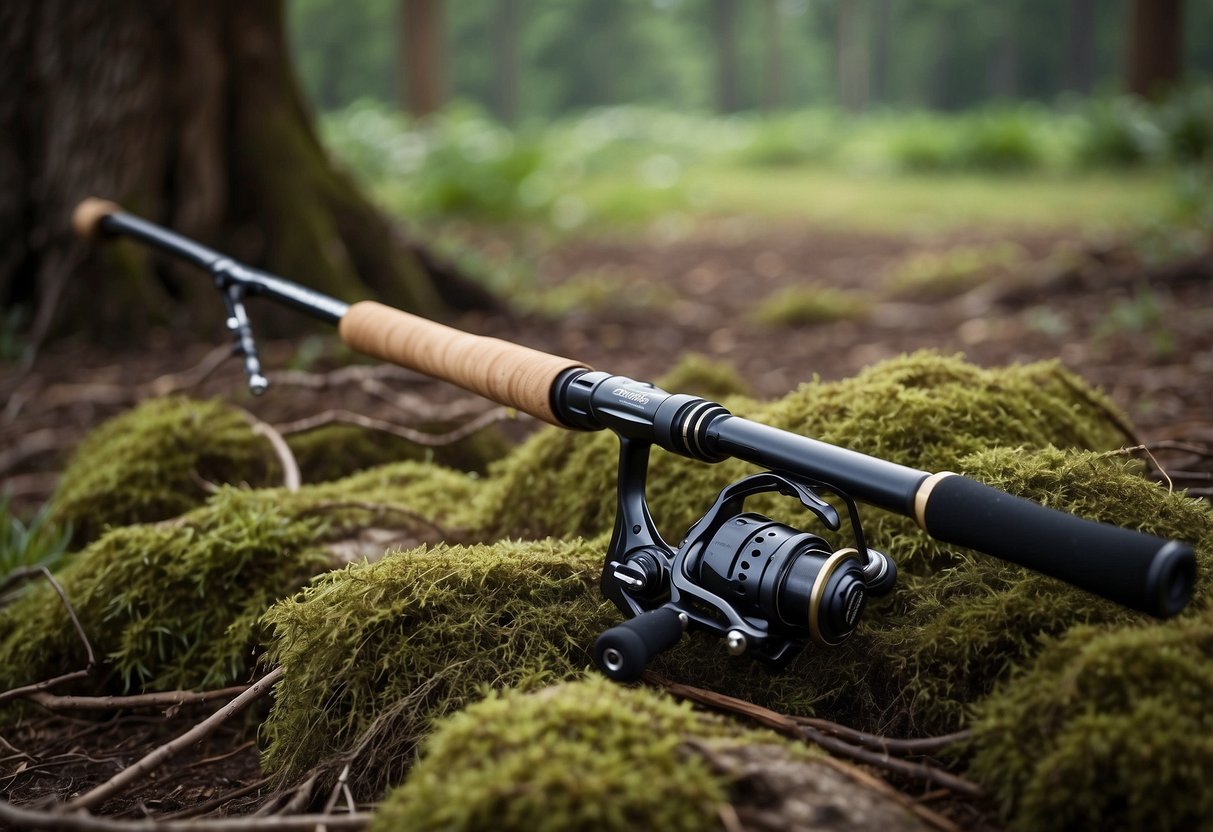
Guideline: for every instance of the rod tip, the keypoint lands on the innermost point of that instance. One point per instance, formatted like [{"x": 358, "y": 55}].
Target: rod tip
[{"x": 86, "y": 219}]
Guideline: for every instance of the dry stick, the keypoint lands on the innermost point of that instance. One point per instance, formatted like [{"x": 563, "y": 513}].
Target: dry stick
[
  {"x": 301, "y": 797},
  {"x": 200, "y": 372},
  {"x": 83, "y": 822},
  {"x": 216, "y": 802},
  {"x": 332, "y": 801},
  {"x": 162, "y": 699},
  {"x": 788, "y": 726},
  {"x": 429, "y": 440},
  {"x": 378, "y": 508},
  {"x": 32, "y": 444},
  {"x": 165, "y": 752},
  {"x": 290, "y": 467},
  {"x": 26, "y": 690},
  {"x": 889, "y": 745}
]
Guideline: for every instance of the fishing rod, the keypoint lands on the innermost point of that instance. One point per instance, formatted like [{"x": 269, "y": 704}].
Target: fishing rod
[{"x": 767, "y": 589}]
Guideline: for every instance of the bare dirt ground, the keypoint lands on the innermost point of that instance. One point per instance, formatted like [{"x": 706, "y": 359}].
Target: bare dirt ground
[{"x": 1143, "y": 333}]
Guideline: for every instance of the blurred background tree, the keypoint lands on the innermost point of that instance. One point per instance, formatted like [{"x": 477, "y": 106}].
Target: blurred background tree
[{"x": 189, "y": 113}]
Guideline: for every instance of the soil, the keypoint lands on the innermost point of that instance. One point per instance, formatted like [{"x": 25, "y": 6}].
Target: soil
[{"x": 1143, "y": 332}]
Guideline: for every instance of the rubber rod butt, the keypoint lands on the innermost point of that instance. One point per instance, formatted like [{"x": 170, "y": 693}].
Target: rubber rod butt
[
  {"x": 1137, "y": 570},
  {"x": 86, "y": 219},
  {"x": 624, "y": 651}
]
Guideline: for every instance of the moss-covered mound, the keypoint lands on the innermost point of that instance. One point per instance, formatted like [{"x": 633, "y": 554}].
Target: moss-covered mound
[
  {"x": 152, "y": 463},
  {"x": 375, "y": 652},
  {"x": 159, "y": 460},
  {"x": 583, "y": 755},
  {"x": 176, "y": 603},
  {"x": 168, "y": 605},
  {"x": 1107, "y": 729}
]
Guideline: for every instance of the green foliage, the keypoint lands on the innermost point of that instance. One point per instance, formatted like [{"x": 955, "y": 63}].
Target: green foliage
[
  {"x": 811, "y": 304},
  {"x": 953, "y": 271},
  {"x": 1118, "y": 132},
  {"x": 1106, "y": 729},
  {"x": 375, "y": 652},
  {"x": 36, "y": 542},
  {"x": 152, "y": 462},
  {"x": 168, "y": 605},
  {"x": 698, "y": 375},
  {"x": 581, "y": 755}
]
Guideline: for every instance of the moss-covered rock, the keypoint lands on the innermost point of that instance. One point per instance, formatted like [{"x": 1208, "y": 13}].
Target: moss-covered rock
[
  {"x": 167, "y": 605},
  {"x": 699, "y": 375},
  {"x": 377, "y": 651},
  {"x": 177, "y": 603},
  {"x": 153, "y": 461},
  {"x": 583, "y": 755},
  {"x": 1107, "y": 729}
]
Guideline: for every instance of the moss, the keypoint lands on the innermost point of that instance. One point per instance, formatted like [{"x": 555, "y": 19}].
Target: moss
[
  {"x": 698, "y": 375},
  {"x": 1107, "y": 730},
  {"x": 151, "y": 463},
  {"x": 937, "y": 274},
  {"x": 337, "y": 451},
  {"x": 375, "y": 652},
  {"x": 176, "y": 604},
  {"x": 813, "y": 304},
  {"x": 584, "y": 755},
  {"x": 166, "y": 605}
]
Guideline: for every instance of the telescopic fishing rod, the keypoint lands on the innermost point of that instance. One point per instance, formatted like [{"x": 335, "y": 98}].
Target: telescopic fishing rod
[{"x": 765, "y": 588}]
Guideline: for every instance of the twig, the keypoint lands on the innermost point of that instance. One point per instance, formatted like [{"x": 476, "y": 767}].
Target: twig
[
  {"x": 216, "y": 802},
  {"x": 206, "y": 761},
  {"x": 17, "y": 576},
  {"x": 163, "y": 699},
  {"x": 200, "y": 372},
  {"x": 429, "y": 440},
  {"x": 165, "y": 752},
  {"x": 378, "y": 508},
  {"x": 290, "y": 467},
  {"x": 302, "y": 796},
  {"x": 332, "y": 801},
  {"x": 32, "y": 444},
  {"x": 889, "y": 745},
  {"x": 27, "y": 690},
  {"x": 788, "y": 726},
  {"x": 84, "y": 822}
]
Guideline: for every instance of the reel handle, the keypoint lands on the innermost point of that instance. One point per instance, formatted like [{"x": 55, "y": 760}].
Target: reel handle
[{"x": 625, "y": 650}]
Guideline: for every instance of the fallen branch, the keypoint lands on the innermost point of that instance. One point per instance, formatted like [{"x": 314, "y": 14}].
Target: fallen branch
[
  {"x": 216, "y": 802},
  {"x": 789, "y": 727},
  {"x": 888, "y": 745},
  {"x": 290, "y": 467},
  {"x": 418, "y": 437},
  {"x": 27, "y": 690},
  {"x": 163, "y": 699},
  {"x": 83, "y": 822},
  {"x": 124, "y": 778}
]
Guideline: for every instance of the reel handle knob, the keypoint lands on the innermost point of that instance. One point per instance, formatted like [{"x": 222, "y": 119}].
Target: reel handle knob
[{"x": 625, "y": 650}]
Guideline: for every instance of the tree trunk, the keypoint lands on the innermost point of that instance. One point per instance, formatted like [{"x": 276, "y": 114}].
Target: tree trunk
[
  {"x": 773, "y": 89},
  {"x": 424, "y": 40},
  {"x": 1002, "y": 70},
  {"x": 724, "y": 32},
  {"x": 187, "y": 113},
  {"x": 1155, "y": 46},
  {"x": 851, "y": 57},
  {"x": 1080, "y": 47},
  {"x": 882, "y": 23},
  {"x": 505, "y": 54}
]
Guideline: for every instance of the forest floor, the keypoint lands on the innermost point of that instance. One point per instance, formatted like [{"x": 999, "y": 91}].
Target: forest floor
[{"x": 1140, "y": 330}]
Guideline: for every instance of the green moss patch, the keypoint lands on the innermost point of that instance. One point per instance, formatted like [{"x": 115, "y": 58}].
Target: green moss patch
[
  {"x": 1106, "y": 730},
  {"x": 177, "y": 603},
  {"x": 584, "y": 755},
  {"x": 153, "y": 462},
  {"x": 375, "y": 652}
]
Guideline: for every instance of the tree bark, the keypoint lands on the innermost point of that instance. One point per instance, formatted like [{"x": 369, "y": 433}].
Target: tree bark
[
  {"x": 851, "y": 57},
  {"x": 505, "y": 58},
  {"x": 724, "y": 32},
  {"x": 424, "y": 41},
  {"x": 187, "y": 113},
  {"x": 773, "y": 88},
  {"x": 1080, "y": 47},
  {"x": 1155, "y": 46}
]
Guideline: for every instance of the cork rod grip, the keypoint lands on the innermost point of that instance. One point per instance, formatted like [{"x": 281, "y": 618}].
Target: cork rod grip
[{"x": 509, "y": 374}]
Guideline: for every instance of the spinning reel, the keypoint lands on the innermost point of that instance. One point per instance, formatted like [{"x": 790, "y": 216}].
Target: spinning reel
[{"x": 764, "y": 587}]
